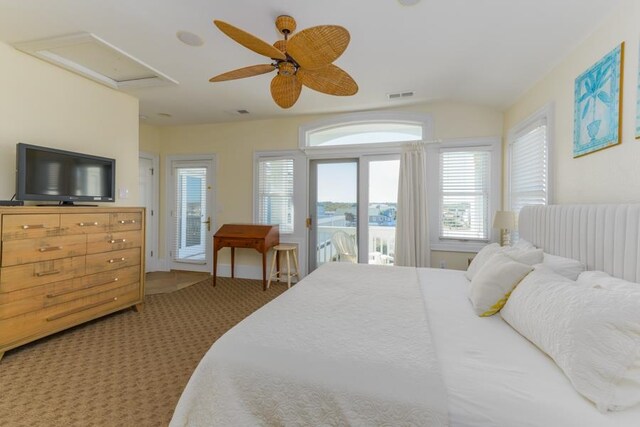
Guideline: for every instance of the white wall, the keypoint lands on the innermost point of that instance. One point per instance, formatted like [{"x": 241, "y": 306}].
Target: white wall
[
  {"x": 607, "y": 176},
  {"x": 234, "y": 144},
  {"x": 42, "y": 104}
]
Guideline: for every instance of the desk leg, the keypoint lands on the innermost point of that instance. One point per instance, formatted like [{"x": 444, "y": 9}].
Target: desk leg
[
  {"x": 233, "y": 256},
  {"x": 215, "y": 265},
  {"x": 277, "y": 255},
  {"x": 264, "y": 270}
]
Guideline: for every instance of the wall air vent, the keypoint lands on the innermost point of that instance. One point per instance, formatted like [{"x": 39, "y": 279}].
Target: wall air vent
[
  {"x": 400, "y": 95},
  {"x": 94, "y": 58}
]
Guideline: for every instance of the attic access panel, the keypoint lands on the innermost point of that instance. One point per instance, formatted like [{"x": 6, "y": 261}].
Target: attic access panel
[{"x": 90, "y": 56}]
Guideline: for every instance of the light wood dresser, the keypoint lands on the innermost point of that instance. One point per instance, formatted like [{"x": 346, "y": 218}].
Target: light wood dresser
[{"x": 62, "y": 266}]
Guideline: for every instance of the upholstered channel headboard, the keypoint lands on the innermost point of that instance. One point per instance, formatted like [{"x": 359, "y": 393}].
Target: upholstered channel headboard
[{"x": 603, "y": 237}]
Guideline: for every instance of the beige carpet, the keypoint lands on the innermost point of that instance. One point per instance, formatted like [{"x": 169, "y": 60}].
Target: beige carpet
[
  {"x": 126, "y": 369},
  {"x": 163, "y": 282}
]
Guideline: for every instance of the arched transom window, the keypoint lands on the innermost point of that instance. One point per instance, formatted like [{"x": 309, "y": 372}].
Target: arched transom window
[{"x": 366, "y": 129}]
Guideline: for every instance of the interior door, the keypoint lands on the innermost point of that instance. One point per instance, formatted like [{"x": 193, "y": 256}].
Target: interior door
[
  {"x": 333, "y": 209},
  {"x": 192, "y": 223},
  {"x": 146, "y": 172}
]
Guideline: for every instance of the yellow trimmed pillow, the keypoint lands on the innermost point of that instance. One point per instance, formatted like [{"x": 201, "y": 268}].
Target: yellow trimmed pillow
[{"x": 491, "y": 286}]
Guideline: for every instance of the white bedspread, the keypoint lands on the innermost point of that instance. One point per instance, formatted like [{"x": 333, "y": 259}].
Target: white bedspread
[
  {"x": 494, "y": 376},
  {"x": 350, "y": 345}
]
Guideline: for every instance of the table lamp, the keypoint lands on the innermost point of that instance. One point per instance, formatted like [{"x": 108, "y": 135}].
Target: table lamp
[{"x": 505, "y": 221}]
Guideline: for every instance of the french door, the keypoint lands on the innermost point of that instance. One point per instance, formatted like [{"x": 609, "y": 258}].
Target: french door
[
  {"x": 352, "y": 209},
  {"x": 333, "y": 211},
  {"x": 191, "y": 221}
]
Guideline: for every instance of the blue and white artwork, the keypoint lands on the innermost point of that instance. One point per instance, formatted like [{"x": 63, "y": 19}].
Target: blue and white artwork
[{"x": 598, "y": 101}]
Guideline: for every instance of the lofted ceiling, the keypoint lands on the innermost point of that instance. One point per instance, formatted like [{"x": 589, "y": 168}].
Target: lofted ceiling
[{"x": 477, "y": 51}]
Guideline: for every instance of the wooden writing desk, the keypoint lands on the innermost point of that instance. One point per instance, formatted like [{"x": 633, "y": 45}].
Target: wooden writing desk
[{"x": 258, "y": 237}]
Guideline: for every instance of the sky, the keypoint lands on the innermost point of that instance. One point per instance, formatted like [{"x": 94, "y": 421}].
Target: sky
[{"x": 337, "y": 182}]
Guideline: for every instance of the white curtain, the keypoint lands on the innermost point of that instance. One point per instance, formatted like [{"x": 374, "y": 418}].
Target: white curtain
[{"x": 412, "y": 228}]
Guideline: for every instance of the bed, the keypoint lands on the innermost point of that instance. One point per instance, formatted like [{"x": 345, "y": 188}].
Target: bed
[{"x": 374, "y": 345}]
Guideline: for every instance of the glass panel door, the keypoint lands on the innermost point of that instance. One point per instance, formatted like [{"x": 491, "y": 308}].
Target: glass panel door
[
  {"x": 333, "y": 207},
  {"x": 191, "y": 213},
  {"x": 382, "y": 209}
]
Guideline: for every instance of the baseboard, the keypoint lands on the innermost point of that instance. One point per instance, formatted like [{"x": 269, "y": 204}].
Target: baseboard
[
  {"x": 224, "y": 270},
  {"x": 241, "y": 271},
  {"x": 161, "y": 264}
]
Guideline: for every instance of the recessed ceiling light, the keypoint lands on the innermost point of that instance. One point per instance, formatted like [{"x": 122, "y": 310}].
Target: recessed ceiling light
[
  {"x": 189, "y": 38},
  {"x": 408, "y": 2},
  {"x": 164, "y": 115}
]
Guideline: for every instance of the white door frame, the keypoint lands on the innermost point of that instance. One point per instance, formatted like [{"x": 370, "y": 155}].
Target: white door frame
[
  {"x": 152, "y": 227},
  {"x": 170, "y": 197}
]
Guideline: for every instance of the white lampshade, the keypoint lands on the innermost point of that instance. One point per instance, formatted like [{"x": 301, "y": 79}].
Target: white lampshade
[{"x": 504, "y": 220}]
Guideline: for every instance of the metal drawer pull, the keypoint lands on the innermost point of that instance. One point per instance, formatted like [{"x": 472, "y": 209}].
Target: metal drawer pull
[
  {"x": 112, "y": 260},
  {"x": 79, "y": 309},
  {"x": 69, "y": 291},
  {"x": 127, "y": 221},
  {"x": 117, "y": 240},
  {"x": 26, "y": 226},
  {"x": 50, "y": 248},
  {"x": 47, "y": 273},
  {"x": 87, "y": 224}
]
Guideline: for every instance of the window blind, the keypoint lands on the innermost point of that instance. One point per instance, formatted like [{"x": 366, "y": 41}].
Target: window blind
[
  {"x": 464, "y": 194},
  {"x": 190, "y": 212},
  {"x": 529, "y": 175},
  {"x": 275, "y": 193}
]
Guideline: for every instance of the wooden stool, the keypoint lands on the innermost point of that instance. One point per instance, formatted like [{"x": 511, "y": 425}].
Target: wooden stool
[{"x": 277, "y": 275}]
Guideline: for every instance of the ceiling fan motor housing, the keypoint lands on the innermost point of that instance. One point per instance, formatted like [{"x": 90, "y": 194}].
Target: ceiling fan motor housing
[{"x": 285, "y": 24}]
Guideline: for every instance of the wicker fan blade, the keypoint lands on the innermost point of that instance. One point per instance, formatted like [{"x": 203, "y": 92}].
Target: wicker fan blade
[
  {"x": 241, "y": 73},
  {"x": 249, "y": 41},
  {"x": 285, "y": 90},
  {"x": 319, "y": 46},
  {"x": 331, "y": 79}
]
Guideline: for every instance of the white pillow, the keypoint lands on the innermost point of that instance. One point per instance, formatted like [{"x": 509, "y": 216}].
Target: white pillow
[
  {"x": 600, "y": 279},
  {"x": 480, "y": 259},
  {"x": 567, "y": 267},
  {"x": 491, "y": 286},
  {"x": 526, "y": 256},
  {"x": 523, "y": 244},
  {"x": 593, "y": 334}
]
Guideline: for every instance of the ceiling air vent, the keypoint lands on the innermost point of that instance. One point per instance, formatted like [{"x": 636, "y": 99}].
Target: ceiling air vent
[
  {"x": 94, "y": 58},
  {"x": 242, "y": 111},
  {"x": 400, "y": 95}
]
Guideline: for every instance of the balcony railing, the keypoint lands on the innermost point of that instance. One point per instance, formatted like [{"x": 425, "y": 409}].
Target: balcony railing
[{"x": 381, "y": 244}]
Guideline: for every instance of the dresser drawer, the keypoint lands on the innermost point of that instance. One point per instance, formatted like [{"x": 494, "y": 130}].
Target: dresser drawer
[
  {"x": 39, "y": 273},
  {"x": 46, "y": 248},
  {"x": 32, "y": 299},
  {"x": 30, "y": 226},
  {"x": 85, "y": 223},
  {"x": 29, "y": 326},
  {"x": 106, "y": 242},
  {"x": 123, "y": 221},
  {"x": 114, "y": 260}
]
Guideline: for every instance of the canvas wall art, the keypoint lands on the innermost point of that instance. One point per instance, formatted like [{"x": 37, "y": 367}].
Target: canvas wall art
[{"x": 598, "y": 104}]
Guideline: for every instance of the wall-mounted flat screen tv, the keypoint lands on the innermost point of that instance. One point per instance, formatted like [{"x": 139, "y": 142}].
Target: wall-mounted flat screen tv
[{"x": 48, "y": 174}]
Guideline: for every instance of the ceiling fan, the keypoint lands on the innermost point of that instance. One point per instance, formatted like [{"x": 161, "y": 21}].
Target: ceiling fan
[{"x": 304, "y": 59}]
